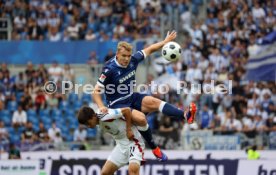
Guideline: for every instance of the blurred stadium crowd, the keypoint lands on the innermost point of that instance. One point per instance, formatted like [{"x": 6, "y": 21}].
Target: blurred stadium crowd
[
  {"x": 216, "y": 48},
  {"x": 62, "y": 20}
]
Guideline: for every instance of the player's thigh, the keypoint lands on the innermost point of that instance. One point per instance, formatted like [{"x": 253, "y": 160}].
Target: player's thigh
[
  {"x": 119, "y": 156},
  {"x": 109, "y": 168},
  {"x": 150, "y": 104},
  {"x": 138, "y": 118},
  {"x": 133, "y": 168}
]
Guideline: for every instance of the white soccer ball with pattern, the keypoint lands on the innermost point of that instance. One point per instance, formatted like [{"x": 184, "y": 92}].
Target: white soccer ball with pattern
[{"x": 171, "y": 51}]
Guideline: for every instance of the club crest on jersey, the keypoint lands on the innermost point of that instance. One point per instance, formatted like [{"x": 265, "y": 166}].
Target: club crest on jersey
[{"x": 102, "y": 78}]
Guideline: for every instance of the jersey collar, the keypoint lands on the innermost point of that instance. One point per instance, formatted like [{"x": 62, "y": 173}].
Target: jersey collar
[{"x": 118, "y": 64}]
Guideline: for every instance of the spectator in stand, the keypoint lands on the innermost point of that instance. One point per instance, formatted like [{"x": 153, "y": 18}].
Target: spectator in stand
[
  {"x": 4, "y": 68},
  {"x": 231, "y": 124},
  {"x": 20, "y": 82},
  {"x": 35, "y": 32},
  {"x": 109, "y": 55},
  {"x": 19, "y": 117},
  {"x": 26, "y": 100},
  {"x": 205, "y": 118},
  {"x": 167, "y": 125},
  {"x": 2, "y": 101},
  {"x": 28, "y": 136},
  {"x": 80, "y": 134},
  {"x": 55, "y": 72},
  {"x": 52, "y": 101},
  {"x": 29, "y": 72},
  {"x": 19, "y": 23},
  {"x": 40, "y": 100},
  {"x": 54, "y": 35},
  {"x": 93, "y": 60},
  {"x": 68, "y": 73},
  {"x": 73, "y": 30},
  {"x": 90, "y": 35},
  {"x": 42, "y": 72},
  {"x": 42, "y": 134},
  {"x": 54, "y": 133},
  {"x": 4, "y": 135},
  {"x": 194, "y": 74}
]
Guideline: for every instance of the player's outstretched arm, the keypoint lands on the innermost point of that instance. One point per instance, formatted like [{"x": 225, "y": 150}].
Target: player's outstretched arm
[
  {"x": 98, "y": 98},
  {"x": 127, "y": 114},
  {"x": 154, "y": 47}
]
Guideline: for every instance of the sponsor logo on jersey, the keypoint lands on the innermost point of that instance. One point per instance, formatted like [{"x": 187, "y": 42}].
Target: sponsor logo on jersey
[{"x": 128, "y": 76}]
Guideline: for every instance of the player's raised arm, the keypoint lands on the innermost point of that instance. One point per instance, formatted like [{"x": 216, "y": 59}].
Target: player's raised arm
[
  {"x": 98, "y": 98},
  {"x": 127, "y": 114},
  {"x": 154, "y": 47}
]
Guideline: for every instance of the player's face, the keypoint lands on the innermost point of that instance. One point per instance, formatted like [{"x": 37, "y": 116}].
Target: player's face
[
  {"x": 123, "y": 57},
  {"x": 92, "y": 122}
]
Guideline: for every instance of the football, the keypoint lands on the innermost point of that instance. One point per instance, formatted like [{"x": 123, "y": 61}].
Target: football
[{"x": 171, "y": 51}]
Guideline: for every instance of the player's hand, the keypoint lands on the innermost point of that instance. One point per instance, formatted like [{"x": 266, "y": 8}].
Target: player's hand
[
  {"x": 103, "y": 110},
  {"x": 130, "y": 134},
  {"x": 170, "y": 36}
]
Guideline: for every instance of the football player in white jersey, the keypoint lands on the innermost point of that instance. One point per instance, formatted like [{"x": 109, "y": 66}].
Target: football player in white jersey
[{"x": 129, "y": 147}]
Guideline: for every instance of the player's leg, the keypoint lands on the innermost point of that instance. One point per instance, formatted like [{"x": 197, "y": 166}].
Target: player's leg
[
  {"x": 139, "y": 119},
  {"x": 151, "y": 104},
  {"x": 133, "y": 168},
  {"x": 135, "y": 156},
  {"x": 116, "y": 160},
  {"x": 109, "y": 168}
]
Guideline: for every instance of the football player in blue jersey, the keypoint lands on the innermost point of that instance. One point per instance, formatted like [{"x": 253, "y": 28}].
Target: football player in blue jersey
[{"x": 118, "y": 79}]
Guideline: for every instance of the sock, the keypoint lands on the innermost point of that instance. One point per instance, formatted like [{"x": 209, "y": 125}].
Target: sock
[
  {"x": 171, "y": 111},
  {"x": 147, "y": 135}
]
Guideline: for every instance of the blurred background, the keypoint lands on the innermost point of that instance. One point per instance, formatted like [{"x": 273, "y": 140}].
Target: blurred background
[{"x": 56, "y": 40}]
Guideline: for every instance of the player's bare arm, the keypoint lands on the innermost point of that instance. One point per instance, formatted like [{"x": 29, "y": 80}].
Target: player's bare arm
[
  {"x": 154, "y": 47},
  {"x": 98, "y": 99},
  {"x": 127, "y": 114}
]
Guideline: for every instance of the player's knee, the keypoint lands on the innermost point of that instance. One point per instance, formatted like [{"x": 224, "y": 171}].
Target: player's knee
[
  {"x": 133, "y": 170},
  {"x": 142, "y": 121}
]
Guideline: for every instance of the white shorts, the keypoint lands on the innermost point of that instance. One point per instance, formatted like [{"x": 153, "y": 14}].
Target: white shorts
[{"x": 122, "y": 155}]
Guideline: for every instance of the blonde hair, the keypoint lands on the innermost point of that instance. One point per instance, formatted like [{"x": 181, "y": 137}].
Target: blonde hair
[{"x": 123, "y": 44}]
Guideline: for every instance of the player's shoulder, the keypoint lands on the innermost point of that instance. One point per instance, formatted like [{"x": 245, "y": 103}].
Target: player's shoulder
[
  {"x": 139, "y": 53},
  {"x": 109, "y": 65},
  {"x": 110, "y": 62}
]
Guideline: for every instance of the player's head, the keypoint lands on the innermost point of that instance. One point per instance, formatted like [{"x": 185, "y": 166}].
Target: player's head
[
  {"x": 123, "y": 53},
  {"x": 87, "y": 117}
]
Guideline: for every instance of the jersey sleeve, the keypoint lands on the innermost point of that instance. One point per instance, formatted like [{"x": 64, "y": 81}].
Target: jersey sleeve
[
  {"x": 103, "y": 79},
  {"x": 139, "y": 56},
  {"x": 112, "y": 114}
]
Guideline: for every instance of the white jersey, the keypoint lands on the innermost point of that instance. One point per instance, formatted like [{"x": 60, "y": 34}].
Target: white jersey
[
  {"x": 126, "y": 151},
  {"x": 113, "y": 122}
]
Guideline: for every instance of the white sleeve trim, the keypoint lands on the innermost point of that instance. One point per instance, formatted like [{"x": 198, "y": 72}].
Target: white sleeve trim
[
  {"x": 100, "y": 84},
  {"x": 145, "y": 55},
  {"x": 111, "y": 114}
]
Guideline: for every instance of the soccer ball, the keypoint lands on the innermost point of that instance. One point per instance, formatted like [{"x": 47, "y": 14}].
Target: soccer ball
[{"x": 171, "y": 51}]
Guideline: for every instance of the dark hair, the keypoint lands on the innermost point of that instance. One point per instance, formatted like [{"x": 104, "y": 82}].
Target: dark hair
[{"x": 84, "y": 114}]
